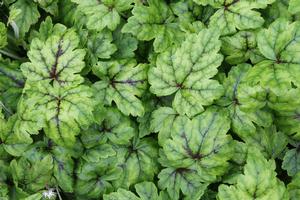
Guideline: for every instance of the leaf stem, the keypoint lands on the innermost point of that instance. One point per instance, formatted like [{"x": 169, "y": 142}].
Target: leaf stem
[{"x": 11, "y": 55}]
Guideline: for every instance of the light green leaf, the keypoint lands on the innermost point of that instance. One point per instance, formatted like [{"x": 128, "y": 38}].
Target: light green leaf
[
  {"x": 49, "y": 6},
  {"x": 123, "y": 82},
  {"x": 258, "y": 181},
  {"x": 63, "y": 109},
  {"x": 186, "y": 180},
  {"x": 241, "y": 47},
  {"x": 154, "y": 21},
  {"x": 243, "y": 102},
  {"x": 120, "y": 195},
  {"x": 186, "y": 72},
  {"x": 3, "y": 35},
  {"x": 287, "y": 110},
  {"x": 294, "y": 6},
  {"x": 55, "y": 60},
  {"x": 236, "y": 15},
  {"x": 279, "y": 45},
  {"x": 294, "y": 187},
  {"x": 201, "y": 144},
  {"x": 24, "y": 13},
  {"x": 270, "y": 142},
  {"x": 163, "y": 121},
  {"x": 105, "y": 13}
]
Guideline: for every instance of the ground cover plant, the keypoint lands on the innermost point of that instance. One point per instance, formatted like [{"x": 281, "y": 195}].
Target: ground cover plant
[{"x": 150, "y": 99}]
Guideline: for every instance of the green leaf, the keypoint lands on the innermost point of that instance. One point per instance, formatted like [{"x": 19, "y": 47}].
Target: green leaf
[
  {"x": 24, "y": 14},
  {"x": 139, "y": 161},
  {"x": 163, "y": 121},
  {"x": 279, "y": 45},
  {"x": 270, "y": 142},
  {"x": 186, "y": 180},
  {"x": 145, "y": 190},
  {"x": 291, "y": 161},
  {"x": 243, "y": 102},
  {"x": 293, "y": 187},
  {"x": 120, "y": 195},
  {"x": 287, "y": 110},
  {"x": 123, "y": 82},
  {"x": 105, "y": 13},
  {"x": 55, "y": 60},
  {"x": 63, "y": 109},
  {"x": 49, "y": 6},
  {"x": 236, "y": 15},
  {"x": 113, "y": 128},
  {"x": 201, "y": 144},
  {"x": 154, "y": 21},
  {"x": 3, "y": 35},
  {"x": 14, "y": 142},
  {"x": 100, "y": 45},
  {"x": 187, "y": 72},
  {"x": 11, "y": 83},
  {"x": 294, "y": 6},
  {"x": 32, "y": 176},
  {"x": 126, "y": 44},
  {"x": 241, "y": 47},
  {"x": 258, "y": 181},
  {"x": 95, "y": 178}
]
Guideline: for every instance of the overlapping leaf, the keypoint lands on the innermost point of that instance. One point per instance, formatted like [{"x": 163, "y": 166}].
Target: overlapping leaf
[
  {"x": 279, "y": 45},
  {"x": 123, "y": 82},
  {"x": 235, "y": 15},
  {"x": 243, "y": 102},
  {"x": 105, "y": 13},
  {"x": 56, "y": 59},
  {"x": 64, "y": 110},
  {"x": 187, "y": 72},
  {"x": 257, "y": 182},
  {"x": 154, "y": 21}
]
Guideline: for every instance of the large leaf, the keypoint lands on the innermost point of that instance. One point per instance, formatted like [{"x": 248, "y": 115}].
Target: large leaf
[
  {"x": 154, "y": 21},
  {"x": 64, "y": 109},
  {"x": 243, "y": 102},
  {"x": 279, "y": 45},
  {"x": 123, "y": 82},
  {"x": 55, "y": 60},
  {"x": 258, "y": 181},
  {"x": 201, "y": 144},
  {"x": 187, "y": 72}
]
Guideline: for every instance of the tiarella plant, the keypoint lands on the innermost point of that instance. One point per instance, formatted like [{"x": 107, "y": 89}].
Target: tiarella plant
[{"x": 150, "y": 99}]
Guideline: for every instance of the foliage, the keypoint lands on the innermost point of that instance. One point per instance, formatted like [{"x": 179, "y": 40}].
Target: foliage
[{"x": 150, "y": 99}]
